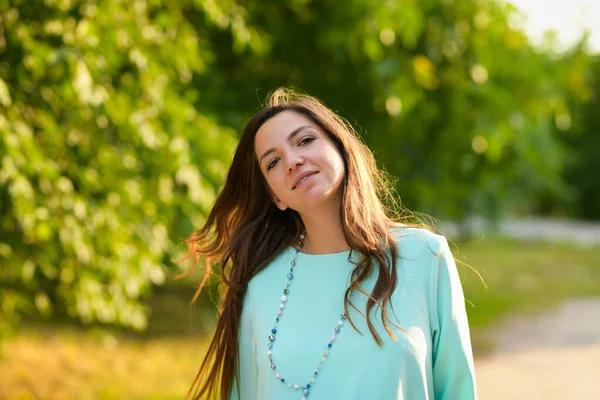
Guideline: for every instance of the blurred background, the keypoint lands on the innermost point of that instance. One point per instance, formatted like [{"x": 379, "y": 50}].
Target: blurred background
[{"x": 118, "y": 120}]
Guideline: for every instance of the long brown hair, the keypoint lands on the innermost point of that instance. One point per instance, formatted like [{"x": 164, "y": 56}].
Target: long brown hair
[{"x": 245, "y": 231}]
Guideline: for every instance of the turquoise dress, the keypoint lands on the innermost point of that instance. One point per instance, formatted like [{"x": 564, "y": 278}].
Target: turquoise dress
[{"x": 431, "y": 359}]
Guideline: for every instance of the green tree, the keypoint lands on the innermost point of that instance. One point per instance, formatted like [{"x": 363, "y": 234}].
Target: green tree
[
  {"x": 104, "y": 159},
  {"x": 118, "y": 120},
  {"x": 583, "y": 144},
  {"x": 450, "y": 95}
]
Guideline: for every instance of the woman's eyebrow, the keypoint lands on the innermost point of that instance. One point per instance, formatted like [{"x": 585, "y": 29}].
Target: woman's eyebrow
[{"x": 289, "y": 138}]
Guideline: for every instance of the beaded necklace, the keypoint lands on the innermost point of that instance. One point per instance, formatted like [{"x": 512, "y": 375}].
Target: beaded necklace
[{"x": 305, "y": 388}]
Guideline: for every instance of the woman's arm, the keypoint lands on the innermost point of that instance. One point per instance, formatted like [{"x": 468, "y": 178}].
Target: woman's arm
[{"x": 453, "y": 367}]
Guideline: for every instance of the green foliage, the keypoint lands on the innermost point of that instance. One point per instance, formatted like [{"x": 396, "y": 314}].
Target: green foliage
[
  {"x": 583, "y": 143},
  {"x": 118, "y": 122},
  {"x": 449, "y": 94},
  {"x": 105, "y": 160}
]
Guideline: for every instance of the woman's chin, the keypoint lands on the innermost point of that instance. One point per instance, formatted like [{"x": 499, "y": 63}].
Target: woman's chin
[{"x": 316, "y": 199}]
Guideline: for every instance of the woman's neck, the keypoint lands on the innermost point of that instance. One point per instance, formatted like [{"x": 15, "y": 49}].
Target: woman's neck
[{"x": 324, "y": 233}]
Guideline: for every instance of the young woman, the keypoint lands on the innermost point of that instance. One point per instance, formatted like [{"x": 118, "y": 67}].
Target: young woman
[{"x": 329, "y": 295}]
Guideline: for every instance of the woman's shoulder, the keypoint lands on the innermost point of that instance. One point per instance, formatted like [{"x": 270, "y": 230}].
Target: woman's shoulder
[
  {"x": 414, "y": 240},
  {"x": 418, "y": 250}
]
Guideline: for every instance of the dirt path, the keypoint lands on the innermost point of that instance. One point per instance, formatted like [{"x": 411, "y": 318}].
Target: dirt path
[{"x": 551, "y": 356}]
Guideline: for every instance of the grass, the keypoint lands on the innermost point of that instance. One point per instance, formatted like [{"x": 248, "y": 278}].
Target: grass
[
  {"x": 522, "y": 278},
  {"x": 56, "y": 360},
  {"x": 67, "y": 364}
]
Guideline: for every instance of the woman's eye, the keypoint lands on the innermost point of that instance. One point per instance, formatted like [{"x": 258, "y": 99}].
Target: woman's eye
[
  {"x": 306, "y": 140},
  {"x": 272, "y": 164}
]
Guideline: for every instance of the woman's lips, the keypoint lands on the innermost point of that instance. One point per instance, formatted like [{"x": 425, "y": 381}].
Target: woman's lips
[{"x": 304, "y": 180}]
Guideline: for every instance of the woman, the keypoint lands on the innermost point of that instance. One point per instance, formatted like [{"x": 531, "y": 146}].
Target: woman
[{"x": 328, "y": 294}]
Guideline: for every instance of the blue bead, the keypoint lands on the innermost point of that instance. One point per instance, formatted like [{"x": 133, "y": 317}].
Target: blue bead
[
  {"x": 297, "y": 250},
  {"x": 282, "y": 380},
  {"x": 290, "y": 276},
  {"x": 308, "y": 385},
  {"x": 328, "y": 344},
  {"x": 270, "y": 345},
  {"x": 306, "y": 391},
  {"x": 273, "y": 331}
]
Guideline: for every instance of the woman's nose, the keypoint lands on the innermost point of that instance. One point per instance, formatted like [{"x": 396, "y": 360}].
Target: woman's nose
[{"x": 293, "y": 160}]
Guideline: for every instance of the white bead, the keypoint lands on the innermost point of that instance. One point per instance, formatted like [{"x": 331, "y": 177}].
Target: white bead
[
  {"x": 281, "y": 306},
  {"x": 340, "y": 323},
  {"x": 312, "y": 381},
  {"x": 326, "y": 353},
  {"x": 303, "y": 398},
  {"x": 279, "y": 313},
  {"x": 289, "y": 385},
  {"x": 283, "y": 299},
  {"x": 296, "y": 386},
  {"x": 333, "y": 338},
  {"x": 269, "y": 353},
  {"x": 323, "y": 359}
]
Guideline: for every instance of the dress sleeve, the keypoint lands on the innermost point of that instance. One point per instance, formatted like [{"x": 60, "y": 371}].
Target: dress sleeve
[
  {"x": 453, "y": 367},
  {"x": 247, "y": 356}
]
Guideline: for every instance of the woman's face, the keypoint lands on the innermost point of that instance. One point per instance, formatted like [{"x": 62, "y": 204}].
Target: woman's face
[{"x": 301, "y": 165}]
